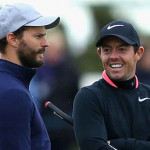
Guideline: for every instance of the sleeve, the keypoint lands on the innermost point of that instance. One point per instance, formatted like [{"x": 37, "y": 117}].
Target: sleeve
[
  {"x": 89, "y": 126},
  {"x": 130, "y": 143},
  {"x": 39, "y": 136},
  {"x": 15, "y": 116}
]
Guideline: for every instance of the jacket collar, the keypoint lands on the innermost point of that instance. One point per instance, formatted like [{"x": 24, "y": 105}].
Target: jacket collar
[
  {"x": 20, "y": 72},
  {"x": 109, "y": 81}
]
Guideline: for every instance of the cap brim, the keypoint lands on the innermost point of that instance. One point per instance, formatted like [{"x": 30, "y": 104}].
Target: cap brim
[
  {"x": 99, "y": 42},
  {"x": 48, "y": 22}
]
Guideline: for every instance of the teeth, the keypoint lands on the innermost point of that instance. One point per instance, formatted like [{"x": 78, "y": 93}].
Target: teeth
[
  {"x": 116, "y": 66},
  {"x": 41, "y": 51}
]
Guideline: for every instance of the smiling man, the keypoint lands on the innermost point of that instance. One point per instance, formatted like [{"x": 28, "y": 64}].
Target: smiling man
[
  {"x": 22, "y": 45},
  {"x": 113, "y": 113}
]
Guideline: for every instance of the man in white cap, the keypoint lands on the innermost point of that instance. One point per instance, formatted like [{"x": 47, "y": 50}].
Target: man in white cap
[{"x": 22, "y": 44}]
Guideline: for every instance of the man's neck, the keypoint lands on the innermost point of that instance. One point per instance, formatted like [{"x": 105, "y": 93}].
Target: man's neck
[
  {"x": 128, "y": 84},
  {"x": 11, "y": 58}
]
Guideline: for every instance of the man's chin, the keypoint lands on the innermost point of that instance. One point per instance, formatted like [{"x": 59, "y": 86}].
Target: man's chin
[
  {"x": 116, "y": 77},
  {"x": 34, "y": 64},
  {"x": 40, "y": 63}
]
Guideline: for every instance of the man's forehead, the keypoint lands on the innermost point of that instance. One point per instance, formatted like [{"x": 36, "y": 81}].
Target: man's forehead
[
  {"x": 110, "y": 39},
  {"x": 41, "y": 30}
]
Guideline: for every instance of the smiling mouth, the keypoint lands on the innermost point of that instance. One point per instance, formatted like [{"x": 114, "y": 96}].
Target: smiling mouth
[{"x": 116, "y": 66}]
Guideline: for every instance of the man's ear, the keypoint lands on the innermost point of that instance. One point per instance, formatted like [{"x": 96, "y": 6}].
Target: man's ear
[
  {"x": 99, "y": 52},
  {"x": 12, "y": 40},
  {"x": 139, "y": 53}
]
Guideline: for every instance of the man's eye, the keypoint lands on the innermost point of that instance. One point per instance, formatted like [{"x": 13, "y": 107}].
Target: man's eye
[
  {"x": 122, "y": 49},
  {"x": 37, "y": 36},
  {"x": 106, "y": 50}
]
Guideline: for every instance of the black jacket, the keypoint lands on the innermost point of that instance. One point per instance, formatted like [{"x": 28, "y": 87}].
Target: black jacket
[{"x": 104, "y": 113}]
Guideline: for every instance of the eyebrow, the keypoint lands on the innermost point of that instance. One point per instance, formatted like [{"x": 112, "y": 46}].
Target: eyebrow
[{"x": 41, "y": 33}]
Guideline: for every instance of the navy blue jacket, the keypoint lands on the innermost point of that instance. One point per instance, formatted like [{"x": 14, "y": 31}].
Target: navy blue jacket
[
  {"x": 102, "y": 112},
  {"x": 21, "y": 126}
]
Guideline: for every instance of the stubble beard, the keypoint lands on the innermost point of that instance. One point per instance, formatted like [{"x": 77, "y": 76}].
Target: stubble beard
[{"x": 27, "y": 55}]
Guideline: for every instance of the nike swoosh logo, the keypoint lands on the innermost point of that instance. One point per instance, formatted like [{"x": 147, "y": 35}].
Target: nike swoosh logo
[
  {"x": 113, "y": 26},
  {"x": 143, "y": 99}
]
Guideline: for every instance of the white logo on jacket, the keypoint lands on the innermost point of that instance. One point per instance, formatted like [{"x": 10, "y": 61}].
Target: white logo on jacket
[{"x": 143, "y": 99}]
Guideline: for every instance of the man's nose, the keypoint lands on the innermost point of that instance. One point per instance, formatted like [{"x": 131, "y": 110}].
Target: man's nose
[
  {"x": 114, "y": 54},
  {"x": 44, "y": 43}
]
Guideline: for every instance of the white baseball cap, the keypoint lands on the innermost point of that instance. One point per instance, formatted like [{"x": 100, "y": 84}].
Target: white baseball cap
[{"x": 14, "y": 16}]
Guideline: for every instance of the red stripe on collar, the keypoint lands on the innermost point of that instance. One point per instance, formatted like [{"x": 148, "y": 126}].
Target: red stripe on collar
[{"x": 107, "y": 79}]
